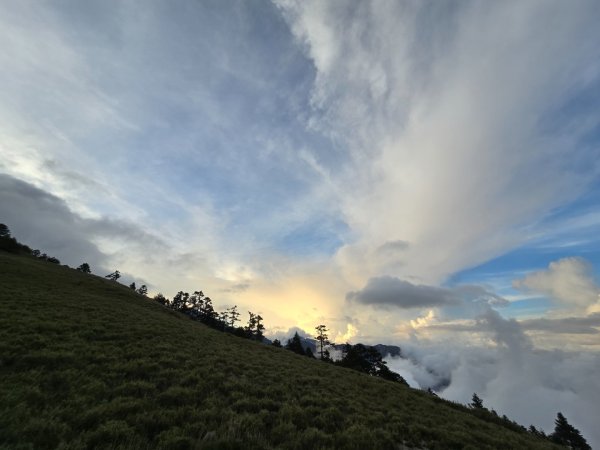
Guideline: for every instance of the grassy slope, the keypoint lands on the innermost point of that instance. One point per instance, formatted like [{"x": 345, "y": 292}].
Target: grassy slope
[{"x": 85, "y": 362}]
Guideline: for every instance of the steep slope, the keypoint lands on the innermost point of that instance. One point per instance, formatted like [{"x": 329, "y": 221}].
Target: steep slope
[{"x": 87, "y": 363}]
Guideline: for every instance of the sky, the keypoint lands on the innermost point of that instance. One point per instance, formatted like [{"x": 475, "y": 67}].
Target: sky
[{"x": 425, "y": 174}]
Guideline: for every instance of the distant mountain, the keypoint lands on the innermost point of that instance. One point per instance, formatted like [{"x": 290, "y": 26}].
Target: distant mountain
[
  {"x": 384, "y": 350},
  {"x": 388, "y": 350}
]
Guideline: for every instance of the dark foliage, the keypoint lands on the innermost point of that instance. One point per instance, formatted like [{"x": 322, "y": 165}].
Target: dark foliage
[
  {"x": 9, "y": 243},
  {"x": 368, "y": 360},
  {"x": 567, "y": 435},
  {"x": 134, "y": 417},
  {"x": 159, "y": 298},
  {"x": 323, "y": 339},
  {"x": 476, "y": 402},
  {"x": 85, "y": 268},
  {"x": 295, "y": 345},
  {"x": 113, "y": 276}
]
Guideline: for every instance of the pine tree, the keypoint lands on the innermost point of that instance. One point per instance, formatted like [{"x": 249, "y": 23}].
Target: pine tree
[
  {"x": 234, "y": 315},
  {"x": 259, "y": 328},
  {"x": 566, "y": 434},
  {"x": 476, "y": 402},
  {"x": 4, "y": 231},
  {"x": 322, "y": 338},
  {"x": 295, "y": 344}
]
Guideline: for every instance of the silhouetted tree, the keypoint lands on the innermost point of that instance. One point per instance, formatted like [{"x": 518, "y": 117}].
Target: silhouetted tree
[
  {"x": 367, "y": 359},
  {"x": 295, "y": 344},
  {"x": 223, "y": 318},
  {"x": 85, "y": 268},
  {"x": 10, "y": 244},
  {"x": 207, "y": 312},
  {"x": 161, "y": 299},
  {"x": 360, "y": 357},
  {"x": 533, "y": 430},
  {"x": 308, "y": 352},
  {"x": 53, "y": 260},
  {"x": 255, "y": 328},
  {"x": 196, "y": 303},
  {"x": 476, "y": 402},
  {"x": 567, "y": 435},
  {"x": 259, "y": 328},
  {"x": 113, "y": 276},
  {"x": 276, "y": 343},
  {"x": 234, "y": 315},
  {"x": 322, "y": 338},
  {"x": 142, "y": 290},
  {"x": 132, "y": 286},
  {"x": 36, "y": 253},
  {"x": 180, "y": 300}
]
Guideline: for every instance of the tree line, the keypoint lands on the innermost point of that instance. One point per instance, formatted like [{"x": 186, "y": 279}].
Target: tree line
[
  {"x": 359, "y": 357},
  {"x": 10, "y": 244},
  {"x": 564, "y": 433}
]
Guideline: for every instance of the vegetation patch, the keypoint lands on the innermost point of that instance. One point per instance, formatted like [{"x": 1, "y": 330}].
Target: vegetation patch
[{"x": 88, "y": 363}]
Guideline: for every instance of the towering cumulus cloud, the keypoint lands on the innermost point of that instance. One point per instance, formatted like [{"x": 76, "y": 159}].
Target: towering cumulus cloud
[{"x": 455, "y": 118}]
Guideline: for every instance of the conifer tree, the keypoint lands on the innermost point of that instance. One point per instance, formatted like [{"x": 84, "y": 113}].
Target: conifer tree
[
  {"x": 567, "y": 435},
  {"x": 259, "y": 327},
  {"x": 295, "y": 344},
  {"x": 234, "y": 315},
  {"x": 476, "y": 402},
  {"x": 322, "y": 338}
]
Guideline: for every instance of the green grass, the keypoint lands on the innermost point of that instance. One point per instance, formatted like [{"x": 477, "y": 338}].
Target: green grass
[{"x": 86, "y": 363}]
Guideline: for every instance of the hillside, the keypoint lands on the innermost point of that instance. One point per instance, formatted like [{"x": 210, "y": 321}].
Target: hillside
[{"x": 87, "y": 363}]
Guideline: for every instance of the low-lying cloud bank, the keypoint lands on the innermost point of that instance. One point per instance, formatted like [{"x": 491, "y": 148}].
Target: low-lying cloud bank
[{"x": 512, "y": 376}]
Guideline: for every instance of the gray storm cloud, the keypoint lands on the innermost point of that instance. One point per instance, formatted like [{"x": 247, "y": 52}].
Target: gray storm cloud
[
  {"x": 42, "y": 220},
  {"x": 392, "y": 291}
]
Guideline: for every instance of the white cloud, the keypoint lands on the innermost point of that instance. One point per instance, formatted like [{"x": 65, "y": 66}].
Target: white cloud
[
  {"x": 445, "y": 109},
  {"x": 568, "y": 281},
  {"x": 512, "y": 376}
]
